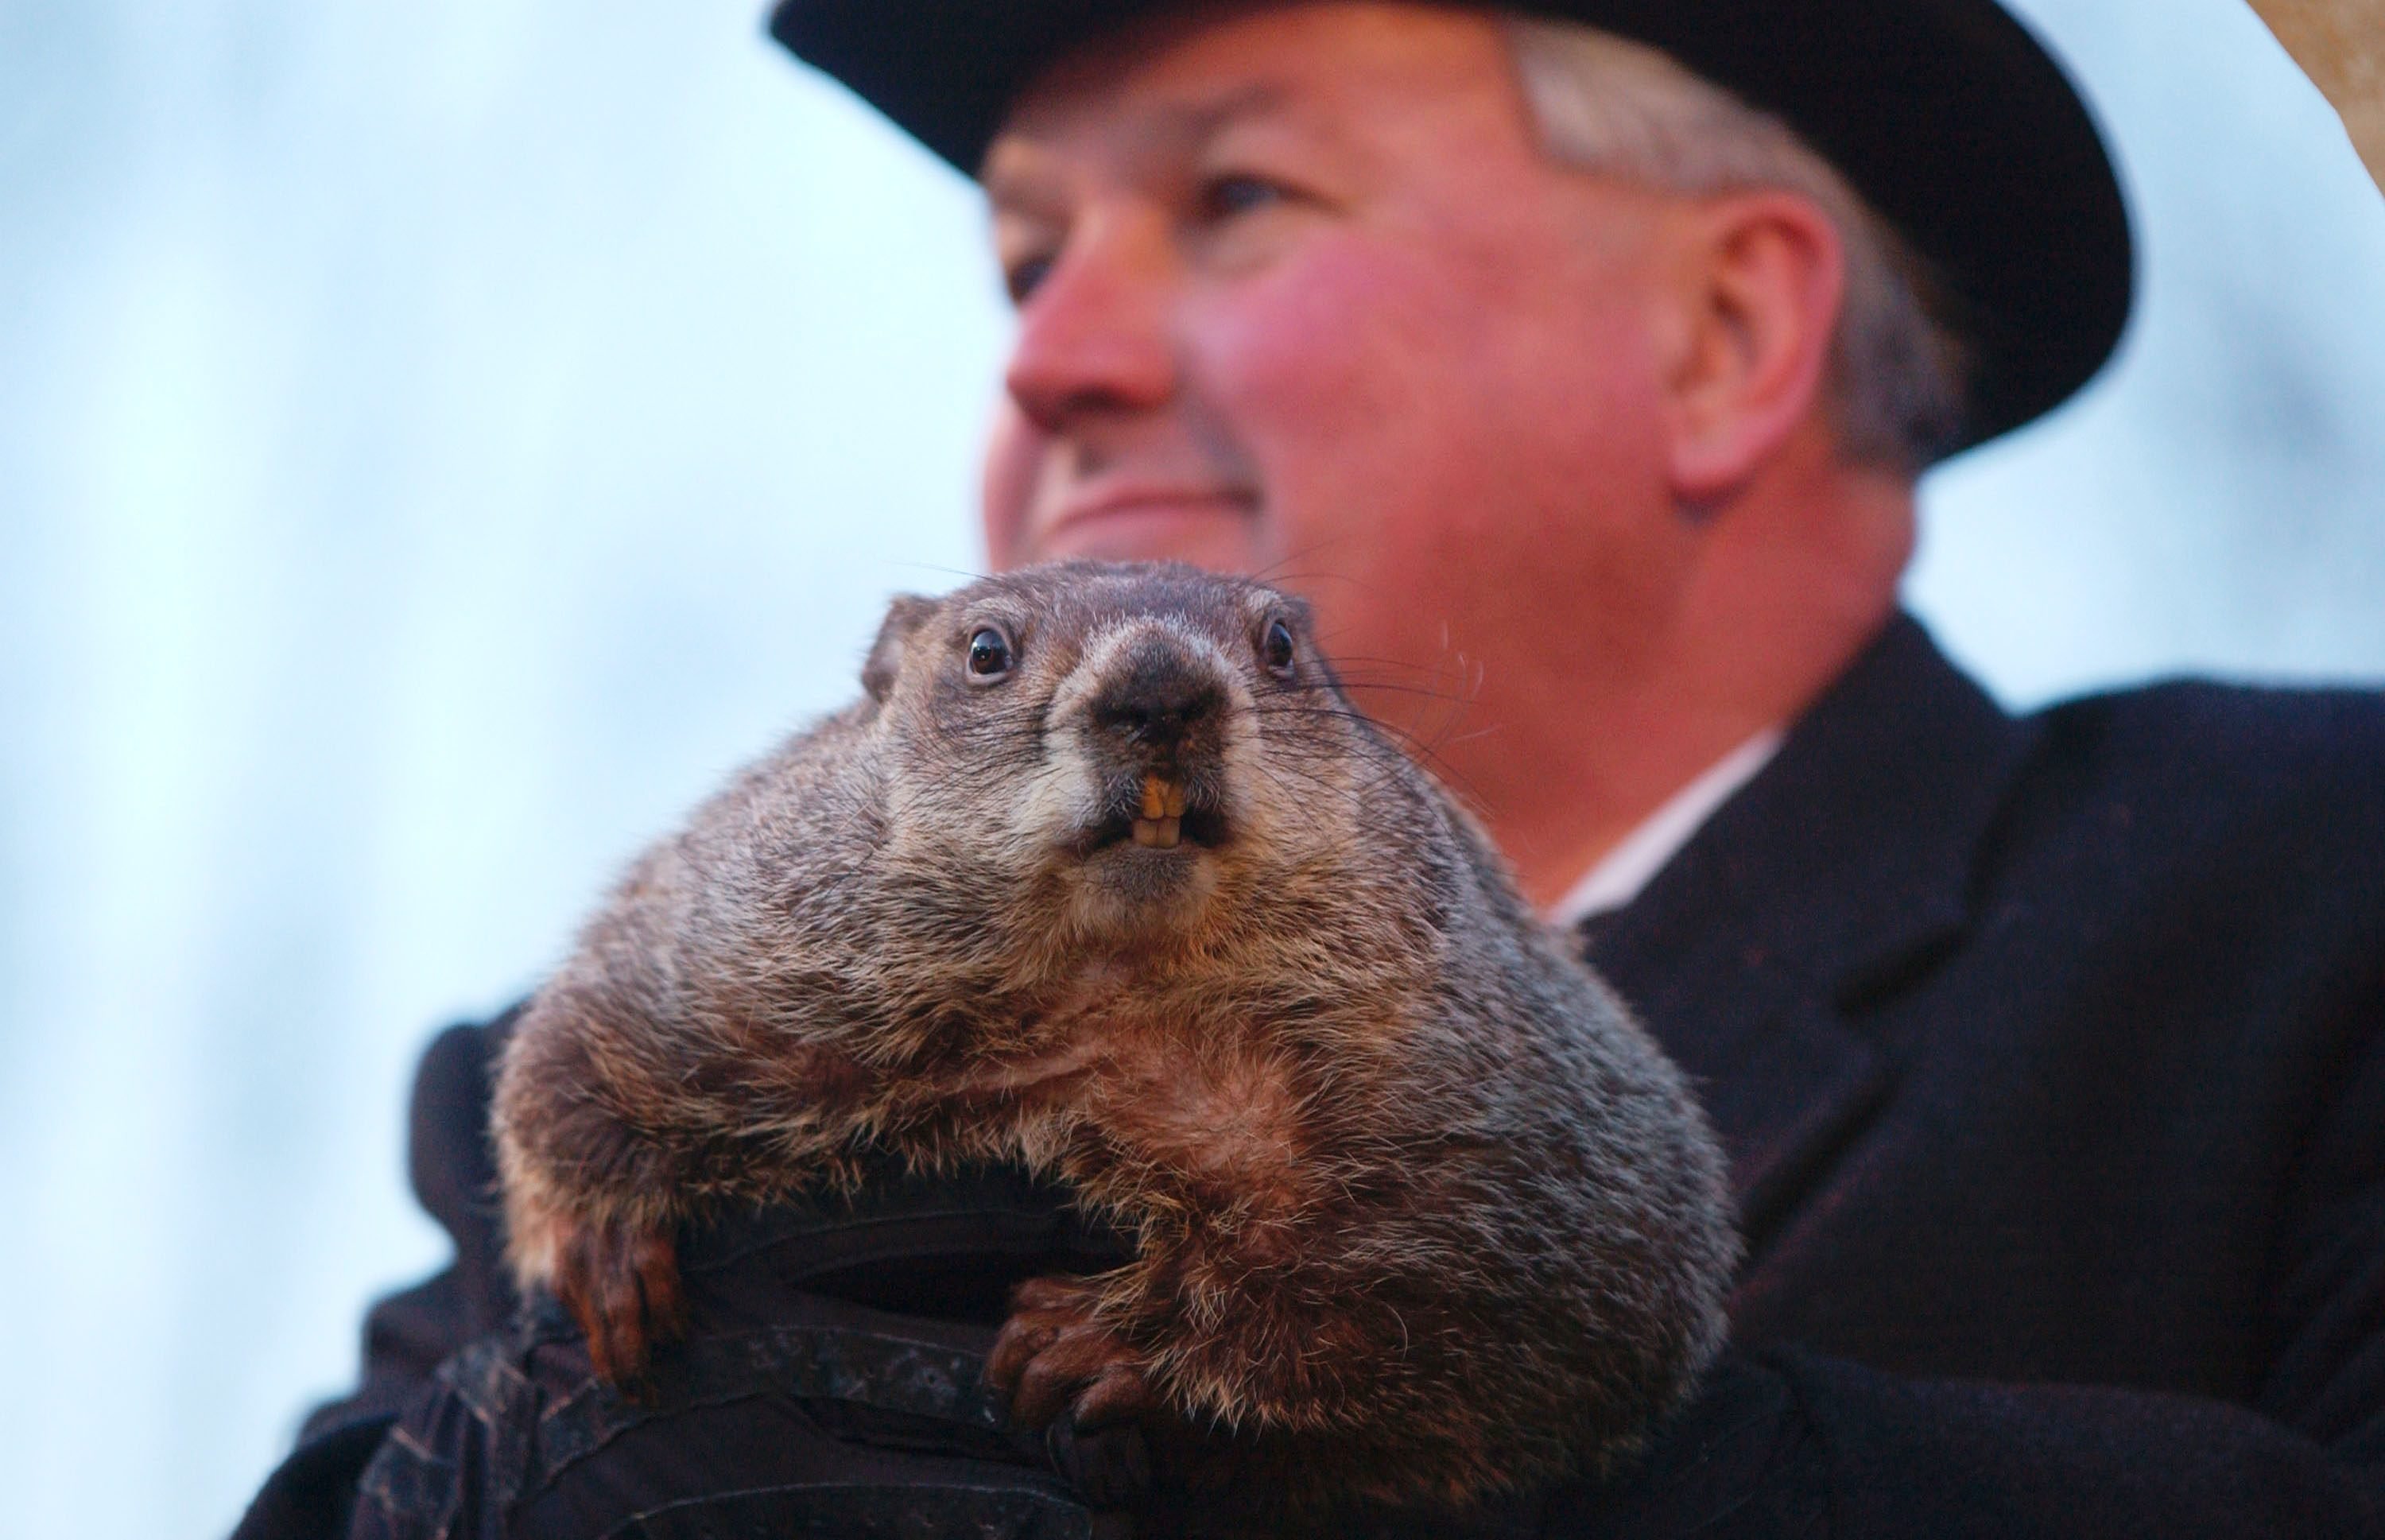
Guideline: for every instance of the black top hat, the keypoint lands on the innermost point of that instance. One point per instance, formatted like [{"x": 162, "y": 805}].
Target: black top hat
[{"x": 1946, "y": 115}]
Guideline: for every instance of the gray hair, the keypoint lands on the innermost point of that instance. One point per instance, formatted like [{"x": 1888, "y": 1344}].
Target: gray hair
[{"x": 1605, "y": 104}]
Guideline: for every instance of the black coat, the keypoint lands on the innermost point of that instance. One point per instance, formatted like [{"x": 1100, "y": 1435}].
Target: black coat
[{"x": 2049, "y": 1054}]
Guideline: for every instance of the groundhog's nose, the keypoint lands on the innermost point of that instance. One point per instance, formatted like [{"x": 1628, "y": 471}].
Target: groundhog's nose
[{"x": 1159, "y": 700}]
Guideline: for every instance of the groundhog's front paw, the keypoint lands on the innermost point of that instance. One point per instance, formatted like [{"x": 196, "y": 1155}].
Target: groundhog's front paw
[
  {"x": 623, "y": 1287},
  {"x": 1060, "y": 1369}
]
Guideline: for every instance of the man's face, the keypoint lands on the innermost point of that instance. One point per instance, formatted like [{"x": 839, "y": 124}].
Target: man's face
[{"x": 1299, "y": 295}]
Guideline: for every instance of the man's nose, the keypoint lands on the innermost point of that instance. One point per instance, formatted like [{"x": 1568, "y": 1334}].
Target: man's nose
[{"x": 1093, "y": 335}]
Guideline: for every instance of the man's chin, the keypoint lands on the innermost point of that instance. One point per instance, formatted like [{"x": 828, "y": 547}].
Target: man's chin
[{"x": 1215, "y": 535}]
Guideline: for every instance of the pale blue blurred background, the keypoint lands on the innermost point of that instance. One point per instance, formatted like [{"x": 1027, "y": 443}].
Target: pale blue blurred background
[{"x": 436, "y": 441}]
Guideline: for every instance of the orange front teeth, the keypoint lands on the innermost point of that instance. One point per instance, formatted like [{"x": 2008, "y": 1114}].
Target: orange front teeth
[{"x": 1161, "y": 824}]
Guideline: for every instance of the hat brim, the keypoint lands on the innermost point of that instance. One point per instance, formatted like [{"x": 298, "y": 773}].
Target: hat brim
[{"x": 1946, "y": 115}]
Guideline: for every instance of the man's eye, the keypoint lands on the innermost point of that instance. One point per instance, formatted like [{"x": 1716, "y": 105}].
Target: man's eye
[
  {"x": 1022, "y": 277},
  {"x": 1223, "y": 197}
]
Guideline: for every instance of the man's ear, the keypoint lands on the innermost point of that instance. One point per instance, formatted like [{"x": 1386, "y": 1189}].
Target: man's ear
[
  {"x": 1761, "y": 276},
  {"x": 905, "y": 615}
]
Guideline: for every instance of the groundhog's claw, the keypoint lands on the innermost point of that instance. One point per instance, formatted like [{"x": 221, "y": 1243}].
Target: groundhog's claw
[
  {"x": 622, "y": 1288},
  {"x": 1118, "y": 1394},
  {"x": 1053, "y": 1295},
  {"x": 1053, "y": 1355},
  {"x": 1109, "y": 1466},
  {"x": 1053, "y": 1358}
]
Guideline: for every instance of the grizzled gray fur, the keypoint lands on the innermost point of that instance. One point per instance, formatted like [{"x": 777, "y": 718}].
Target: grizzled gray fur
[{"x": 1104, "y": 875}]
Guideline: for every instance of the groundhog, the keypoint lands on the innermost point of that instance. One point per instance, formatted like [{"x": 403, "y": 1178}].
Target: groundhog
[{"x": 1104, "y": 875}]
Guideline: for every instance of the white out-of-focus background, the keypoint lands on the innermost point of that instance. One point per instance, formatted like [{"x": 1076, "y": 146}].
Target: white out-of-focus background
[{"x": 436, "y": 441}]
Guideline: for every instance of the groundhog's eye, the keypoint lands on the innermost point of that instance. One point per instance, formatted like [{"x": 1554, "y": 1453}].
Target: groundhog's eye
[
  {"x": 989, "y": 656},
  {"x": 1275, "y": 648}
]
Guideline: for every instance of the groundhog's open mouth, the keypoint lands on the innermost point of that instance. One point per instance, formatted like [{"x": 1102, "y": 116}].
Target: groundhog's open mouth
[{"x": 1164, "y": 818}]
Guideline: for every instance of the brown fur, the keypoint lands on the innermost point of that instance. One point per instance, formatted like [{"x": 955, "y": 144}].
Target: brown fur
[{"x": 1418, "y": 1208}]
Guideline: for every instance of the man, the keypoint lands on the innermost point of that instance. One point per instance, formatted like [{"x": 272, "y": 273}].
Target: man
[{"x": 1585, "y": 400}]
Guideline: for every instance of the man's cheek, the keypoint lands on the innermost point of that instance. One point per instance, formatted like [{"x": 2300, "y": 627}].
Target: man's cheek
[
  {"x": 1016, "y": 452},
  {"x": 1327, "y": 345}
]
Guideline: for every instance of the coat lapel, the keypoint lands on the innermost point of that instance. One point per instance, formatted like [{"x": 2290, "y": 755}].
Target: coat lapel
[{"x": 1835, "y": 879}]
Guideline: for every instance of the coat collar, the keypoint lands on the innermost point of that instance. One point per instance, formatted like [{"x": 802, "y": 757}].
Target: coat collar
[{"x": 1838, "y": 875}]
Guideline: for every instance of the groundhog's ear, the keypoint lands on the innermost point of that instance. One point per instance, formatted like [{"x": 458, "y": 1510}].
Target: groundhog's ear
[{"x": 903, "y": 616}]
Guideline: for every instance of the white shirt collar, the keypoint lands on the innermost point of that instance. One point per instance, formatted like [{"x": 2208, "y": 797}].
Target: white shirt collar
[{"x": 1624, "y": 870}]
